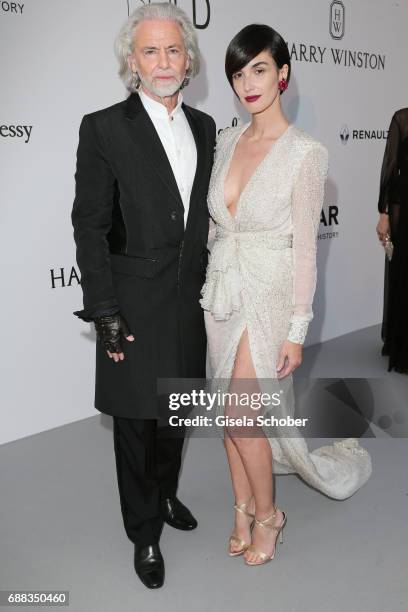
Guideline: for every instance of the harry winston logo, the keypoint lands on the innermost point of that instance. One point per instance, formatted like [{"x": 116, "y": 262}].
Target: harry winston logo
[
  {"x": 344, "y": 134},
  {"x": 337, "y": 19}
]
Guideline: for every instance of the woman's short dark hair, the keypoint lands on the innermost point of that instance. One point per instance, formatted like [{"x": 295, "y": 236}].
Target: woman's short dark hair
[{"x": 249, "y": 42}]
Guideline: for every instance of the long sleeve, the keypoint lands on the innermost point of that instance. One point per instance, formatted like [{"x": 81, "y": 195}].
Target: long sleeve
[
  {"x": 307, "y": 202},
  {"x": 92, "y": 219},
  {"x": 389, "y": 170}
]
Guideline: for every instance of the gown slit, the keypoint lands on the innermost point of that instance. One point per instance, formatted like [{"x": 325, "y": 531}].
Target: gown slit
[{"x": 248, "y": 352}]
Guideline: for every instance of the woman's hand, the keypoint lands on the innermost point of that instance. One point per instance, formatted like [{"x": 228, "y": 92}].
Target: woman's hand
[
  {"x": 289, "y": 359},
  {"x": 383, "y": 228}
]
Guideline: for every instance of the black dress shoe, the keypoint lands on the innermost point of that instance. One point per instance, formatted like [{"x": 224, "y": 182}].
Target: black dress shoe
[
  {"x": 177, "y": 515},
  {"x": 149, "y": 565}
]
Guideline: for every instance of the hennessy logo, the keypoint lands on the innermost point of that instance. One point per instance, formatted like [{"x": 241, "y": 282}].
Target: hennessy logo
[
  {"x": 16, "y": 131},
  {"x": 337, "y": 19},
  {"x": 199, "y": 9}
]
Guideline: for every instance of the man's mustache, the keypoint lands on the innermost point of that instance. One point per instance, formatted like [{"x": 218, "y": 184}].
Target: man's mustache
[{"x": 164, "y": 74}]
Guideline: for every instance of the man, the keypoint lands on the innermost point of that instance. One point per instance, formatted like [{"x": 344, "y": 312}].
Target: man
[{"x": 141, "y": 225}]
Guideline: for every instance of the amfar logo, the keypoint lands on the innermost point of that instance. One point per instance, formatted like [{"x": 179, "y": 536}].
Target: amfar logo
[
  {"x": 16, "y": 131},
  {"x": 337, "y": 19},
  {"x": 329, "y": 219},
  {"x": 201, "y": 9},
  {"x": 12, "y": 7},
  {"x": 329, "y": 216},
  {"x": 361, "y": 134}
]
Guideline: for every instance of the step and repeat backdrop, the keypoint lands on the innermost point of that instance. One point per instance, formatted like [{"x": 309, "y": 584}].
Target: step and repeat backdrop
[{"x": 57, "y": 63}]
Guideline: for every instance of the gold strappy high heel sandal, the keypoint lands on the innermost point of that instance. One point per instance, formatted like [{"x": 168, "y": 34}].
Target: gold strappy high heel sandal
[
  {"x": 266, "y": 524},
  {"x": 244, "y": 545}
]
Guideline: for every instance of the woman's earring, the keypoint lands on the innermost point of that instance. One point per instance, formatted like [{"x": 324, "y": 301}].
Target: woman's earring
[
  {"x": 135, "y": 81},
  {"x": 283, "y": 85}
]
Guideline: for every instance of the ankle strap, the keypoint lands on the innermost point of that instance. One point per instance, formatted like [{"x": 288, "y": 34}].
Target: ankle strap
[
  {"x": 243, "y": 507},
  {"x": 265, "y": 522}
]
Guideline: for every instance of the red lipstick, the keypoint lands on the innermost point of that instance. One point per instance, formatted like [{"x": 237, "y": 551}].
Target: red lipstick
[{"x": 252, "y": 98}]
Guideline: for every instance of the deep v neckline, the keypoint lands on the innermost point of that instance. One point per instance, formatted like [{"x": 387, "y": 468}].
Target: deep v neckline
[{"x": 256, "y": 169}]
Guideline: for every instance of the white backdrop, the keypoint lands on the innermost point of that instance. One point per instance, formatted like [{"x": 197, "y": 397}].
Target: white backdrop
[{"x": 57, "y": 64}]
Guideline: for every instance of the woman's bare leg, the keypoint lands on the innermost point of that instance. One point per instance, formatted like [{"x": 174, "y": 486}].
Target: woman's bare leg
[
  {"x": 251, "y": 458},
  {"x": 242, "y": 492}
]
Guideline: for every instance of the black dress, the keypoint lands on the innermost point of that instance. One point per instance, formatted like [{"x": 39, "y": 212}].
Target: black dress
[{"x": 394, "y": 200}]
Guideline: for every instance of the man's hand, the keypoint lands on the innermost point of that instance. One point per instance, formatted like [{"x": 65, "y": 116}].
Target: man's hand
[
  {"x": 289, "y": 359},
  {"x": 383, "y": 228},
  {"x": 109, "y": 329}
]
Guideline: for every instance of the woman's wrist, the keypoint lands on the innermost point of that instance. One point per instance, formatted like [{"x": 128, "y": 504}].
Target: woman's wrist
[{"x": 297, "y": 331}]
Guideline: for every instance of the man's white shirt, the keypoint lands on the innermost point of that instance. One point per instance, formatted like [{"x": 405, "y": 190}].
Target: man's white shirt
[{"x": 178, "y": 142}]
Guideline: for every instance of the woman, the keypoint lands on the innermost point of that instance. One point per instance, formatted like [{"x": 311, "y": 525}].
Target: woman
[
  {"x": 265, "y": 198},
  {"x": 393, "y": 222}
]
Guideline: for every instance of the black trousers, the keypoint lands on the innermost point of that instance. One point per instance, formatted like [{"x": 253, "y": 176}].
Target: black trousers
[{"x": 148, "y": 460}]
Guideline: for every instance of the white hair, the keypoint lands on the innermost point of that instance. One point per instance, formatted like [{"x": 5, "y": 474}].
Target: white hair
[{"x": 156, "y": 10}]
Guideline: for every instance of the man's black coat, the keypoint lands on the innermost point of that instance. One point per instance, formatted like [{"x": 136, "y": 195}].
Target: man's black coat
[{"x": 133, "y": 251}]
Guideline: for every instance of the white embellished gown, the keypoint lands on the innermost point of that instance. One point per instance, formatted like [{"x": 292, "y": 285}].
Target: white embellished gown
[{"x": 261, "y": 275}]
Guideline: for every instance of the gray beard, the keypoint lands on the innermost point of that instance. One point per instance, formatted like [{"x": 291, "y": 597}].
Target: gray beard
[{"x": 164, "y": 91}]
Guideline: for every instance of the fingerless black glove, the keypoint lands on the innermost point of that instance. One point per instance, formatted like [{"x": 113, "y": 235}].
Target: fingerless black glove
[{"x": 109, "y": 329}]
